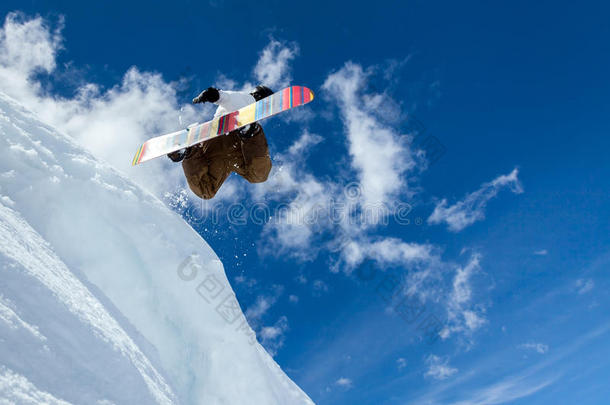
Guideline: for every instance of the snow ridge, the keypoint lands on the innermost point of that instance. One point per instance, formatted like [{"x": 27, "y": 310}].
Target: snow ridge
[{"x": 94, "y": 304}]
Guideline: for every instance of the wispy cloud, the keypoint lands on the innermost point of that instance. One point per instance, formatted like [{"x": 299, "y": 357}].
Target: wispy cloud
[
  {"x": 303, "y": 145},
  {"x": 386, "y": 251},
  {"x": 262, "y": 304},
  {"x": 344, "y": 383},
  {"x": 260, "y": 307},
  {"x": 319, "y": 287},
  {"x": 472, "y": 208},
  {"x": 540, "y": 348},
  {"x": 401, "y": 363},
  {"x": 584, "y": 285},
  {"x": 510, "y": 385},
  {"x": 541, "y": 252},
  {"x": 273, "y": 337},
  {"x": 381, "y": 159},
  {"x": 246, "y": 281},
  {"x": 462, "y": 315},
  {"x": 378, "y": 152},
  {"x": 274, "y": 64},
  {"x": 439, "y": 368},
  {"x": 505, "y": 391}
]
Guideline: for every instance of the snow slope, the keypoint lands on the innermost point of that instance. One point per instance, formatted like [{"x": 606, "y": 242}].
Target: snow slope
[{"x": 107, "y": 296}]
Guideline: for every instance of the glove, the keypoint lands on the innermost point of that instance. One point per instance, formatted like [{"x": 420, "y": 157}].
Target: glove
[{"x": 209, "y": 95}]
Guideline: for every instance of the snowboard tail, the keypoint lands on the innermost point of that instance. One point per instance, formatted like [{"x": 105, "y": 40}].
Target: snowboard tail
[{"x": 283, "y": 100}]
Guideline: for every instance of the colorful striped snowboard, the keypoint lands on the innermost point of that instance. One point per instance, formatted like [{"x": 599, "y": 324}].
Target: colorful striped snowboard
[{"x": 277, "y": 102}]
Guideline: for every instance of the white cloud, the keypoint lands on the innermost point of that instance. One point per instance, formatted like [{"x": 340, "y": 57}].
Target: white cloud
[
  {"x": 461, "y": 286},
  {"x": 303, "y": 201},
  {"x": 504, "y": 391},
  {"x": 401, "y": 363},
  {"x": 27, "y": 46},
  {"x": 344, "y": 383},
  {"x": 540, "y": 348},
  {"x": 325, "y": 210},
  {"x": 508, "y": 389},
  {"x": 584, "y": 285},
  {"x": 472, "y": 208},
  {"x": 273, "y": 337},
  {"x": 304, "y": 144},
  {"x": 260, "y": 308},
  {"x": 273, "y": 332},
  {"x": 473, "y": 320},
  {"x": 424, "y": 279},
  {"x": 462, "y": 315},
  {"x": 273, "y": 67},
  {"x": 439, "y": 368},
  {"x": 246, "y": 281},
  {"x": 378, "y": 152},
  {"x": 270, "y": 336},
  {"x": 385, "y": 251},
  {"x": 541, "y": 252},
  {"x": 319, "y": 287},
  {"x": 293, "y": 298},
  {"x": 308, "y": 215},
  {"x": 392, "y": 250}
]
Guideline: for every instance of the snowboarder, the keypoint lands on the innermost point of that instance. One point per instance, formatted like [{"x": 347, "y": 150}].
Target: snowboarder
[{"x": 244, "y": 151}]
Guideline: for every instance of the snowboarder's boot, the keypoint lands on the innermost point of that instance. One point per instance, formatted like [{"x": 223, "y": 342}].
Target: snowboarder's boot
[
  {"x": 248, "y": 131},
  {"x": 180, "y": 155}
]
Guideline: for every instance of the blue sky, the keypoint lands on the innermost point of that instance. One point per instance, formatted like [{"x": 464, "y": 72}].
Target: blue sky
[{"x": 507, "y": 236}]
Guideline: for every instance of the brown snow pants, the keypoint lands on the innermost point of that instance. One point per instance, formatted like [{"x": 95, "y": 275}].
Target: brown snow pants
[{"x": 208, "y": 166}]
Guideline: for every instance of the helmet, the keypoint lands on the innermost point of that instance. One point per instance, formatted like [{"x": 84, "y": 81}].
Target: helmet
[{"x": 260, "y": 92}]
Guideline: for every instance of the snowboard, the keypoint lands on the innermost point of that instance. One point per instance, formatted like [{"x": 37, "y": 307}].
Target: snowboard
[{"x": 278, "y": 102}]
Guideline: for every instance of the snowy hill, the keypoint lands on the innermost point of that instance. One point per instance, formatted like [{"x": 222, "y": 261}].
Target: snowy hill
[{"x": 107, "y": 296}]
